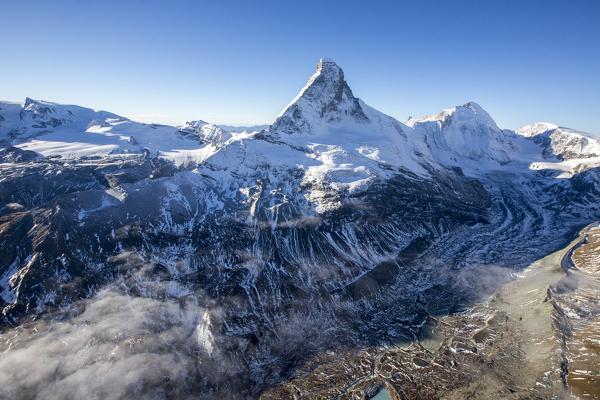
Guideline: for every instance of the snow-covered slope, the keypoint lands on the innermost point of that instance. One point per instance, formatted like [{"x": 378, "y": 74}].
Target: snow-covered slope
[
  {"x": 336, "y": 141},
  {"x": 466, "y": 136},
  {"x": 205, "y": 132},
  {"x": 560, "y": 142},
  {"x": 563, "y": 149},
  {"x": 35, "y": 118},
  {"x": 71, "y": 131}
]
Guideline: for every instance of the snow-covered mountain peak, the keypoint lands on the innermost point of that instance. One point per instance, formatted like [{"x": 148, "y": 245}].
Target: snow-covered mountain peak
[
  {"x": 328, "y": 67},
  {"x": 195, "y": 124},
  {"x": 71, "y": 131},
  {"x": 36, "y": 117},
  {"x": 469, "y": 113},
  {"x": 41, "y": 114},
  {"x": 325, "y": 99},
  {"x": 206, "y": 132},
  {"x": 560, "y": 142},
  {"x": 473, "y": 111},
  {"x": 535, "y": 129},
  {"x": 468, "y": 136},
  {"x": 326, "y": 59}
]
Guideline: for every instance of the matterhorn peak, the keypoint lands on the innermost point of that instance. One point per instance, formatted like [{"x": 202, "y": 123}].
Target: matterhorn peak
[
  {"x": 329, "y": 65},
  {"x": 326, "y": 60},
  {"x": 325, "y": 99}
]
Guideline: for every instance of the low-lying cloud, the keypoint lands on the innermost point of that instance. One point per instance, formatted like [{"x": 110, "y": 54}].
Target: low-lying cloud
[
  {"x": 169, "y": 341},
  {"x": 117, "y": 347}
]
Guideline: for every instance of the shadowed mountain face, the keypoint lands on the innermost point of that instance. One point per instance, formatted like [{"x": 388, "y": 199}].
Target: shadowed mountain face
[{"x": 216, "y": 263}]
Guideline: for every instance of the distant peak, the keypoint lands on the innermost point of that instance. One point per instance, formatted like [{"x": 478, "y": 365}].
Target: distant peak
[
  {"x": 31, "y": 102},
  {"x": 195, "y": 124},
  {"x": 535, "y": 129},
  {"x": 468, "y": 112},
  {"x": 37, "y": 106}
]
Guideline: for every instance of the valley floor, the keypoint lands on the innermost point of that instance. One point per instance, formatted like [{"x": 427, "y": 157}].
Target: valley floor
[{"x": 535, "y": 337}]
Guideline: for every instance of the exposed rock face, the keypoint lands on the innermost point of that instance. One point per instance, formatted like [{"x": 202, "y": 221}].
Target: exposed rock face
[
  {"x": 42, "y": 115},
  {"x": 338, "y": 227},
  {"x": 325, "y": 98}
]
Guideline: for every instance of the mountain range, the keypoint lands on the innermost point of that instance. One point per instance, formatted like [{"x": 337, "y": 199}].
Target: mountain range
[{"x": 335, "y": 227}]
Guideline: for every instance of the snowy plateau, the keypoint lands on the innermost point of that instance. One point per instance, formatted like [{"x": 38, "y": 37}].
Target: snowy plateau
[{"x": 217, "y": 262}]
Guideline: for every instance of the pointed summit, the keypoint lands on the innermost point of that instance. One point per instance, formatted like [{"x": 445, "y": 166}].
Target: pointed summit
[
  {"x": 325, "y": 99},
  {"x": 328, "y": 65}
]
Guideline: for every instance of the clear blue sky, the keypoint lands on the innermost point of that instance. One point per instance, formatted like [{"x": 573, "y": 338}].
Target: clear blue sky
[{"x": 241, "y": 62}]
